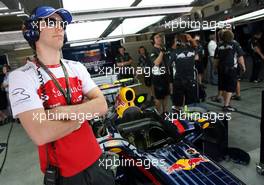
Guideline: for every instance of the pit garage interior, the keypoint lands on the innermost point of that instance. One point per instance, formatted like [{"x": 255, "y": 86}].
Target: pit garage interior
[{"x": 130, "y": 23}]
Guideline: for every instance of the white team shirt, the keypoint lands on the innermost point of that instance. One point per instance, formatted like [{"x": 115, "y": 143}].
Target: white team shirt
[
  {"x": 25, "y": 87},
  {"x": 211, "y": 48}
]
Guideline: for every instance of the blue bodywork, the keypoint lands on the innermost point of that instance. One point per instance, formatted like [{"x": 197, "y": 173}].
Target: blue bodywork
[{"x": 174, "y": 160}]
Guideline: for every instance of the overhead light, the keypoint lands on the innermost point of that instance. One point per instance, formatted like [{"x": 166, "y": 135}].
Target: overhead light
[
  {"x": 22, "y": 15},
  {"x": 202, "y": 28},
  {"x": 94, "y": 42},
  {"x": 17, "y": 12},
  {"x": 133, "y": 25},
  {"x": 82, "y": 43},
  {"x": 88, "y": 30},
  {"x": 253, "y": 18},
  {"x": 3, "y": 8},
  {"x": 94, "y": 5},
  {"x": 165, "y": 2},
  {"x": 245, "y": 16},
  {"x": 109, "y": 40},
  {"x": 22, "y": 48}
]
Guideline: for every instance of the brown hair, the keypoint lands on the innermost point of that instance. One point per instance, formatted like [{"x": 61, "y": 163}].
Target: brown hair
[
  {"x": 220, "y": 34},
  {"x": 228, "y": 36},
  {"x": 8, "y": 68}
]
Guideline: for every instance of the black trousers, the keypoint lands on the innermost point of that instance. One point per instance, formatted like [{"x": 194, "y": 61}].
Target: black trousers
[
  {"x": 184, "y": 90},
  {"x": 94, "y": 175},
  {"x": 256, "y": 68}
]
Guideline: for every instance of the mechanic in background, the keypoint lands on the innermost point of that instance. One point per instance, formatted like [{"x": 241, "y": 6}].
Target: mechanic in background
[
  {"x": 228, "y": 55},
  {"x": 199, "y": 64},
  {"x": 211, "y": 74},
  {"x": 4, "y": 86},
  {"x": 182, "y": 69},
  {"x": 160, "y": 73},
  {"x": 144, "y": 62},
  {"x": 258, "y": 57},
  {"x": 124, "y": 62}
]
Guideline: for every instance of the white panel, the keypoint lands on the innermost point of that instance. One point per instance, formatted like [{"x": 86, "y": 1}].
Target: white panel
[
  {"x": 133, "y": 25},
  {"x": 164, "y": 2},
  {"x": 87, "y": 30},
  {"x": 75, "y": 5}
]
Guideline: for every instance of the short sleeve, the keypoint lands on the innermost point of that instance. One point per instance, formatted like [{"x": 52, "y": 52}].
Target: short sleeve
[
  {"x": 211, "y": 48},
  {"x": 239, "y": 50},
  {"x": 87, "y": 82},
  {"x": 23, "y": 93},
  {"x": 153, "y": 56}
]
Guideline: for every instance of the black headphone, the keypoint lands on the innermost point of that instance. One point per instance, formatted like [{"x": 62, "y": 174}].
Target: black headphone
[
  {"x": 31, "y": 29},
  {"x": 152, "y": 38}
]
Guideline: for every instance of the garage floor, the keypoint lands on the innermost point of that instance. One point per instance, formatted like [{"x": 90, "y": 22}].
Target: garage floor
[{"x": 22, "y": 166}]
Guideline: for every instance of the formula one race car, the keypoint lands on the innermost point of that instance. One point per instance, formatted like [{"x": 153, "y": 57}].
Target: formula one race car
[{"x": 141, "y": 147}]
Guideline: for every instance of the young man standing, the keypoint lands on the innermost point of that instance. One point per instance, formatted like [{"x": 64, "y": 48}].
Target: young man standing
[
  {"x": 50, "y": 85},
  {"x": 258, "y": 57},
  {"x": 182, "y": 66},
  {"x": 211, "y": 76},
  {"x": 160, "y": 73}
]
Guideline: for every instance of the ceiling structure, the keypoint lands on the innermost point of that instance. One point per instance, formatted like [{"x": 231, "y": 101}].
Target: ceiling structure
[
  {"x": 95, "y": 20},
  {"x": 91, "y": 19}
]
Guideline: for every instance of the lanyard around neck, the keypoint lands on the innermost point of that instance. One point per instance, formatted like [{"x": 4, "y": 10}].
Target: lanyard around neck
[{"x": 67, "y": 94}]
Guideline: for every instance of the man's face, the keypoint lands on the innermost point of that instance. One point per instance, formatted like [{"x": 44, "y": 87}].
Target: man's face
[
  {"x": 4, "y": 70},
  {"x": 141, "y": 51},
  {"x": 122, "y": 51},
  {"x": 51, "y": 32},
  {"x": 158, "y": 39}
]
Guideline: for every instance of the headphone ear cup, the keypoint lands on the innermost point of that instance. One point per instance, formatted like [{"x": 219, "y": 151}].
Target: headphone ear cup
[{"x": 30, "y": 33}]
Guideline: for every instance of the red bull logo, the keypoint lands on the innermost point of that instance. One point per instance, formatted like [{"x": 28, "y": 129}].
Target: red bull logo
[{"x": 186, "y": 164}]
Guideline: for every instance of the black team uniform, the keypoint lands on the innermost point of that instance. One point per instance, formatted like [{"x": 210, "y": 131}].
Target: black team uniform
[
  {"x": 160, "y": 75},
  {"x": 144, "y": 61},
  {"x": 257, "y": 60},
  {"x": 228, "y": 53},
  {"x": 125, "y": 71},
  {"x": 182, "y": 68}
]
